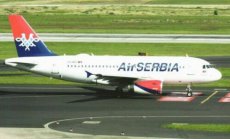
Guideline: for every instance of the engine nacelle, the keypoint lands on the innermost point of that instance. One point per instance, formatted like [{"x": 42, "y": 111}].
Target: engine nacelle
[{"x": 147, "y": 87}]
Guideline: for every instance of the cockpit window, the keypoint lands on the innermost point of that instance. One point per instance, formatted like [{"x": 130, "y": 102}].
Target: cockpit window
[
  {"x": 208, "y": 66},
  {"x": 203, "y": 66}
]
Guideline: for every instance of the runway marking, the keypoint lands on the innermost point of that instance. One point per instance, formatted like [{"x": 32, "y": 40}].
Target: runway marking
[
  {"x": 154, "y": 116},
  {"x": 227, "y": 95},
  {"x": 175, "y": 99},
  {"x": 225, "y": 99},
  {"x": 220, "y": 89},
  {"x": 205, "y": 100},
  {"x": 91, "y": 122},
  {"x": 47, "y": 125}
]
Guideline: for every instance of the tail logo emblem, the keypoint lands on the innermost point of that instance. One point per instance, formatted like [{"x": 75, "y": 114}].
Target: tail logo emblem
[{"x": 27, "y": 43}]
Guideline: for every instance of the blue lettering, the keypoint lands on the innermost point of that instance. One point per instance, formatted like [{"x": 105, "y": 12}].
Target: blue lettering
[
  {"x": 175, "y": 67},
  {"x": 133, "y": 66},
  {"x": 128, "y": 67},
  {"x": 158, "y": 67},
  {"x": 147, "y": 66},
  {"x": 169, "y": 67},
  {"x": 155, "y": 67},
  {"x": 140, "y": 66},
  {"x": 163, "y": 67},
  {"x": 122, "y": 67}
]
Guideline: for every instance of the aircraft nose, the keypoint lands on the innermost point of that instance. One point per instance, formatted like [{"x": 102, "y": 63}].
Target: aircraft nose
[{"x": 217, "y": 75}]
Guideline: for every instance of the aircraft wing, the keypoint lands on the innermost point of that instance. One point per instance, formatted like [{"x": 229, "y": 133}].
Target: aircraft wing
[
  {"x": 139, "y": 85},
  {"x": 115, "y": 80}
]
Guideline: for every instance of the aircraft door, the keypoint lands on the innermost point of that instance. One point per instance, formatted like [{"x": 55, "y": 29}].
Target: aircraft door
[
  {"x": 55, "y": 69},
  {"x": 190, "y": 69}
]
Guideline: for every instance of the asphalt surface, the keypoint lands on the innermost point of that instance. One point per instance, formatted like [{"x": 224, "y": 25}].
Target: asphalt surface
[
  {"x": 99, "y": 111},
  {"x": 127, "y": 38}
]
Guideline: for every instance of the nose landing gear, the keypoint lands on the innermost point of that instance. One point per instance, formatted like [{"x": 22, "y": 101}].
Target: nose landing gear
[{"x": 189, "y": 90}]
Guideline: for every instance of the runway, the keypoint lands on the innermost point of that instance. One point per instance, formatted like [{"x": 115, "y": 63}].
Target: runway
[
  {"x": 88, "y": 111},
  {"x": 127, "y": 38}
]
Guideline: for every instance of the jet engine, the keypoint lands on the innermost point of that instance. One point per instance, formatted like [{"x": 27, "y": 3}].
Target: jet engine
[{"x": 146, "y": 87}]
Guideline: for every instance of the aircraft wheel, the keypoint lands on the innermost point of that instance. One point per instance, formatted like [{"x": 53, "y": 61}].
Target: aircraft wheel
[
  {"x": 119, "y": 90},
  {"x": 189, "y": 90},
  {"x": 189, "y": 94}
]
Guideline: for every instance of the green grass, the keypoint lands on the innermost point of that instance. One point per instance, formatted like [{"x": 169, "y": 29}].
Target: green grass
[
  {"x": 199, "y": 127},
  {"x": 7, "y": 49},
  {"x": 189, "y": 2},
  {"x": 150, "y": 24},
  {"x": 116, "y": 2}
]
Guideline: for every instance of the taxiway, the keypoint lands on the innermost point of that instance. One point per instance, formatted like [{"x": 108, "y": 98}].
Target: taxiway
[
  {"x": 99, "y": 111},
  {"x": 127, "y": 38}
]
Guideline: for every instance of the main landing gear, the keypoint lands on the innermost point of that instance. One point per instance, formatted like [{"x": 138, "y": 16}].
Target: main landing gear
[
  {"x": 121, "y": 93},
  {"x": 189, "y": 90}
]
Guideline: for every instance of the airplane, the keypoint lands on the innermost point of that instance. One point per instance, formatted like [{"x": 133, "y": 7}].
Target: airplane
[{"x": 137, "y": 74}]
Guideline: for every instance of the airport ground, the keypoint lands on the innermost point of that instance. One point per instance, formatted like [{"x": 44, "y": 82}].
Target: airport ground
[
  {"x": 85, "y": 111},
  {"x": 98, "y": 111},
  {"x": 55, "y": 109}
]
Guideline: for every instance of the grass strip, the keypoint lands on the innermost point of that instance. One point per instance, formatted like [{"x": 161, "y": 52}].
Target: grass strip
[
  {"x": 7, "y": 49},
  {"x": 199, "y": 127},
  {"x": 115, "y": 2},
  {"x": 149, "y": 24}
]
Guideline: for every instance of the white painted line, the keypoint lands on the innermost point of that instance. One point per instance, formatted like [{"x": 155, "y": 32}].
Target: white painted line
[
  {"x": 220, "y": 89},
  {"x": 128, "y": 38},
  {"x": 179, "y": 123},
  {"x": 205, "y": 100},
  {"x": 153, "y": 116},
  {"x": 84, "y": 136},
  {"x": 91, "y": 122}
]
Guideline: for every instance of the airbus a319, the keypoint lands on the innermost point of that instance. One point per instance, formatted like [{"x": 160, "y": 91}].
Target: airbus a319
[{"x": 139, "y": 74}]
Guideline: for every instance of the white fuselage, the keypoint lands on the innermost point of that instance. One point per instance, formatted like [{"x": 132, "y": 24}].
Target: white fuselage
[{"x": 168, "y": 69}]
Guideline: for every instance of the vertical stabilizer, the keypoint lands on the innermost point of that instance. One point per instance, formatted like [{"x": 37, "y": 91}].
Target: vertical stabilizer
[{"x": 26, "y": 40}]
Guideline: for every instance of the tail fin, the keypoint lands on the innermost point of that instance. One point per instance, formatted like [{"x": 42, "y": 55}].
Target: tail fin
[{"x": 26, "y": 40}]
